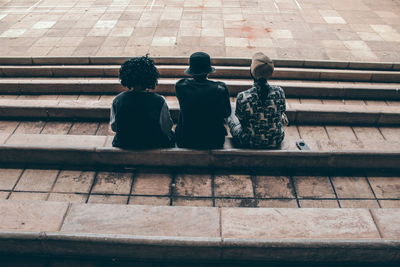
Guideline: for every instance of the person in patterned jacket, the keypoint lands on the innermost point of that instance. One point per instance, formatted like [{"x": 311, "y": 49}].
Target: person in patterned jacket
[{"x": 260, "y": 117}]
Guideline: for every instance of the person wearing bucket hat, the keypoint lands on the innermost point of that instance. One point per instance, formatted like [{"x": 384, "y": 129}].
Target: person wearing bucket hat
[
  {"x": 204, "y": 105},
  {"x": 259, "y": 117}
]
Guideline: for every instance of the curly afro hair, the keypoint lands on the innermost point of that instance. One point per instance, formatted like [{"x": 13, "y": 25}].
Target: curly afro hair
[{"x": 139, "y": 71}]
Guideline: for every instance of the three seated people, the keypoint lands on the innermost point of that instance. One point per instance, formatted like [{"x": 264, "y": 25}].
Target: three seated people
[{"x": 141, "y": 118}]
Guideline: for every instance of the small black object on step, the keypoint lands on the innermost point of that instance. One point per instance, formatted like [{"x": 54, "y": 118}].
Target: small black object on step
[{"x": 302, "y": 145}]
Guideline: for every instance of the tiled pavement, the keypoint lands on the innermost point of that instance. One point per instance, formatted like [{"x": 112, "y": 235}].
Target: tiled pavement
[
  {"x": 175, "y": 188},
  {"x": 357, "y": 30}
]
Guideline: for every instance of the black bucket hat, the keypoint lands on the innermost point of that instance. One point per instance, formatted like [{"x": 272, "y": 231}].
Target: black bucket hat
[{"x": 199, "y": 64}]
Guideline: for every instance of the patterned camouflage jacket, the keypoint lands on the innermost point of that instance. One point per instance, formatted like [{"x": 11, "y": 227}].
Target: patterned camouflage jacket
[{"x": 262, "y": 124}]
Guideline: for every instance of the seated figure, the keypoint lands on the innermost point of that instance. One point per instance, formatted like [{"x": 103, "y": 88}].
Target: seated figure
[
  {"x": 140, "y": 118},
  {"x": 204, "y": 105},
  {"x": 260, "y": 117}
]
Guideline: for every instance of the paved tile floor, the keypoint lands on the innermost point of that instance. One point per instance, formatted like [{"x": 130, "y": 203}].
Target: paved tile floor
[
  {"x": 356, "y": 30},
  {"x": 171, "y": 187}
]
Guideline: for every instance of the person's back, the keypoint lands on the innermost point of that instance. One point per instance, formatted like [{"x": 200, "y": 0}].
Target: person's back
[
  {"x": 260, "y": 117},
  {"x": 203, "y": 106},
  {"x": 137, "y": 120},
  {"x": 140, "y": 118}
]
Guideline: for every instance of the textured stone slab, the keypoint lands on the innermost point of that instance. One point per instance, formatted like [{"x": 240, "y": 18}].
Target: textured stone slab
[
  {"x": 319, "y": 203},
  {"x": 193, "y": 202},
  {"x": 385, "y": 187},
  {"x": 31, "y": 216},
  {"x": 3, "y": 138},
  {"x": 108, "y": 199},
  {"x": 8, "y": 127},
  {"x": 352, "y": 187},
  {"x": 233, "y": 185},
  {"x": 389, "y": 203},
  {"x": 67, "y": 197},
  {"x": 274, "y": 187},
  {"x": 37, "y": 180},
  {"x": 113, "y": 183},
  {"x": 297, "y": 223},
  {"x": 193, "y": 185},
  {"x": 74, "y": 181},
  {"x": 151, "y": 184},
  {"x": 277, "y": 203},
  {"x": 143, "y": 220},
  {"x": 145, "y": 200},
  {"x": 8, "y": 178},
  {"x": 355, "y": 203},
  {"x": 388, "y": 222},
  {"x": 27, "y": 196},
  {"x": 56, "y": 140},
  {"x": 316, "y": 187}
]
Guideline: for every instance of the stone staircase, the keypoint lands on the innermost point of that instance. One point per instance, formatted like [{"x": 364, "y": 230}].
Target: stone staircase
[{"x": 54, "y": 115}]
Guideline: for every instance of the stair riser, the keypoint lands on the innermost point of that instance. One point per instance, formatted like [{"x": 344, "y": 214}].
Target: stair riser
[
  {"x": 296, "y": 117},
  {"x": 105, "y": 250},
  {"x": 235, "y": 73},
  {"x": 184, "y": 61},
  {"x": 299, "y": 91},
  {"x": 304, "y": 162}
]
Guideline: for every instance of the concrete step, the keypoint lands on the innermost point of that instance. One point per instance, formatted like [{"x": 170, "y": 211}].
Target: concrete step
[
  {"x": 298, "y": 114},
  {"x": 86, "y": 151},
  {"x": 318, "y": 138},
  {"x": 177, "y": 71},
  {"x": 295, "y": 88},
  {"x": 219, "y": 61},
  {"x": 199, "y": 233}
]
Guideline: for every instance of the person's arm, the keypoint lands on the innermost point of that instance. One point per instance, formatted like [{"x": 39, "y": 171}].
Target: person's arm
[
  {"x": 282, "y": 107},
  {"x": 166, "y": 122},
  {"x": 283, "y": 102},
  {"x": 226, "y": 103},
  {"x": 112, "y": 118},
  {"x": 239, "y": 111}
]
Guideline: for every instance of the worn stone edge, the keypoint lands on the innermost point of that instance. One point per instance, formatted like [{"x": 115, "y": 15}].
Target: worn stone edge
[
  {"x": 385, "y": 250},
  {"x": 199, "y": 241},
  {"x": 227, "y": 158},
  {"x": 217, "y": 60}
]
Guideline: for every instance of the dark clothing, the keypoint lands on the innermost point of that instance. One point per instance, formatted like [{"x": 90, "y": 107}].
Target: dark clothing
[
  {"x": 141, "y": 119},
  {"x": 259, "y": 124},
  {"x": 203, "y": 106}
]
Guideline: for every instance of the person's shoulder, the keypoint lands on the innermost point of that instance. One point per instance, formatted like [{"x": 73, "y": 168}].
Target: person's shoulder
[
  {"x": 246, "y": 94},
  {"x": 120, "y": 96},
  {"x": 249, "y": 92},
  {"x": 240, "y": 96},
  {"x": 158, "y": 96},
  {"x": 218, "y": 83},
  {"x": 277, "y": 89},
  {"x": 183, "y": 82},
  {"x": 221, "y": 86}
]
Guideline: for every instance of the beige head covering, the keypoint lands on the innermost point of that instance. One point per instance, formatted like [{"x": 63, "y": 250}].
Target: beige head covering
[{"x": 261, "y": 66}]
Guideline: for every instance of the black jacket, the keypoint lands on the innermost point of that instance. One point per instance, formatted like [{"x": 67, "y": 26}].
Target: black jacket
[
  {"x": 203, "y": 107},
  {"x": 141, "y": 119}
]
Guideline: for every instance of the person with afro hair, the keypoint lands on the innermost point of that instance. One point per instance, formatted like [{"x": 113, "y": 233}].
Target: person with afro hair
[{"x": 140, "y": 118}]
